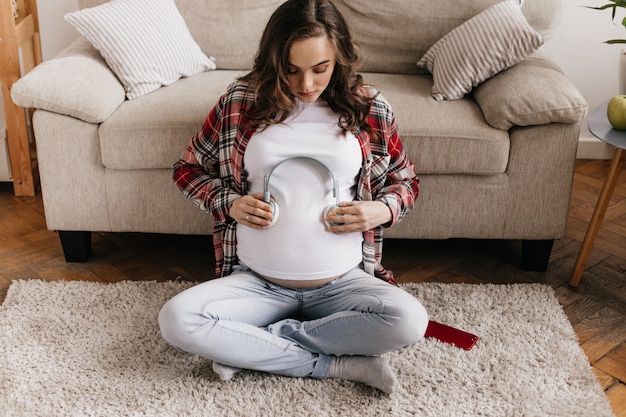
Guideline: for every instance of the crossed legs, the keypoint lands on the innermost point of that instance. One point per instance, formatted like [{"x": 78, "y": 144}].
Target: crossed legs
[{"x": 244, "y": 322}]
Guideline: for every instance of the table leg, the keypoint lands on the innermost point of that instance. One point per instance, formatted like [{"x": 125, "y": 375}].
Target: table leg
[{"x": 598, "y": 215}]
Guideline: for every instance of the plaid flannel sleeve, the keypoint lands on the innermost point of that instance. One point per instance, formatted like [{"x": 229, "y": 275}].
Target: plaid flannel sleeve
[
  {"x": 394, "y": 181},
  {"x": 197, "y": 173}
]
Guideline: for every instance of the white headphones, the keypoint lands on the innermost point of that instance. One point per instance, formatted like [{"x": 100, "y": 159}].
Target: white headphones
[{"x": 274, "y": 204}]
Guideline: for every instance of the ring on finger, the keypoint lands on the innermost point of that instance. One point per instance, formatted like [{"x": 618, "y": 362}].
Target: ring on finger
[{"x": 248, "y": 218}]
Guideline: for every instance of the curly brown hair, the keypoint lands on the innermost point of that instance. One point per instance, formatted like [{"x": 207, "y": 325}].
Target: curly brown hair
[{"x": 293, "y": 21}]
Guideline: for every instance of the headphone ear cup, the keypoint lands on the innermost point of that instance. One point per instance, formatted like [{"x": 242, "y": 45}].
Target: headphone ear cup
[
  {"x": 275, "y": 211},
  {"x": 326, "y": 211}
]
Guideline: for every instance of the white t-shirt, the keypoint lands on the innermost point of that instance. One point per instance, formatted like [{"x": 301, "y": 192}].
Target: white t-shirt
[{"x": 298, "y": 246}]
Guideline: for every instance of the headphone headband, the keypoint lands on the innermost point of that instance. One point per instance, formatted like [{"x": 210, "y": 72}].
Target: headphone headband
[{"x": 266, "y": 179}]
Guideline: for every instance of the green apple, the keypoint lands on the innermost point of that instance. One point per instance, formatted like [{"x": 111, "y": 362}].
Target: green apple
[{"x": 616, "y": 112}]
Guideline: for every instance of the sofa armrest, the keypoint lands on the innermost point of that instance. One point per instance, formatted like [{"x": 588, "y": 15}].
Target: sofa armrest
[
  {"x": 533, "y": 92},
  {"x": 76, "y": 83}
]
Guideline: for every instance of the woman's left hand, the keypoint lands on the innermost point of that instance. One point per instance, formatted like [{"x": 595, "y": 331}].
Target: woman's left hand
[{"x": 358, "y": 216}]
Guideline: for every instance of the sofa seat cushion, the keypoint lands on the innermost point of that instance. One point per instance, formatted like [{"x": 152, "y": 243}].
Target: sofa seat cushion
[
  {"x": 151, "y": 131},
  {"x": 442, "y": 137}
]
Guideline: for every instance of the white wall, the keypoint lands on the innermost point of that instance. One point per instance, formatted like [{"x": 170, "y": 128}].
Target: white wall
[
  {"x": 577, "y": 46},
  {"x": 55, "y": 32}
]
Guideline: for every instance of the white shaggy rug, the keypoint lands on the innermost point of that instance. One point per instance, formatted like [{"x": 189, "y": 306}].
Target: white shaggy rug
[{"x": 90, "y": 349}]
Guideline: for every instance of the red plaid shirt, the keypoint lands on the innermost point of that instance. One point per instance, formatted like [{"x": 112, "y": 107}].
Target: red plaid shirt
[{"x": 211, "y": 173}]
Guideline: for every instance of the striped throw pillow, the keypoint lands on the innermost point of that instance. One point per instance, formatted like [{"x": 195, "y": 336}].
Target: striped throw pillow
[
  {"x": 493, "y": 40},
  {"x": 146, "y": 43}
]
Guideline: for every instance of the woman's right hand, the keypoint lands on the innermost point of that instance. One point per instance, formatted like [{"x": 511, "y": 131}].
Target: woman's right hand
[{"x": 252, "y": 211}]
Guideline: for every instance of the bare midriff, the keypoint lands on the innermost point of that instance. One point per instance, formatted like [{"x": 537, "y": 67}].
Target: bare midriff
[{"x": 290, "y": 283}]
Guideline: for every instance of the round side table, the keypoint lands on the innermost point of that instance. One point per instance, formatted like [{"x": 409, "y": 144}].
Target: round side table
[{"x": 601, "y": 128}]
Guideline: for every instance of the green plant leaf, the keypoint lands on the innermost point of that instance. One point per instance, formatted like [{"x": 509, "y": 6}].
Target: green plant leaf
[
  {"x": 613, "y": 6},
  {"x": 606, "y": 6}
]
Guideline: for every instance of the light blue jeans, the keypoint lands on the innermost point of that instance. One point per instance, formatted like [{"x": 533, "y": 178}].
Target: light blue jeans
[{"x": 246, "y": 322}]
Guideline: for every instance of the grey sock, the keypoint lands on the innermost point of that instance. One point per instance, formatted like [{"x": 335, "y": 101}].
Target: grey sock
[
  {"x": 370, "y": 370},
  {"x": 225, "y": 372}
]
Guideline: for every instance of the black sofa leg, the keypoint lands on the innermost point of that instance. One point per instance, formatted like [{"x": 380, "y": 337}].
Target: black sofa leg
[
  {"x": 536, "y": 254},
  {"x": 76, "y": 245}
]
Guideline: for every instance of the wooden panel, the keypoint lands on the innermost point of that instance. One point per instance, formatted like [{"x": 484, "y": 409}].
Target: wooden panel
[{"x": 15, "y": 35}]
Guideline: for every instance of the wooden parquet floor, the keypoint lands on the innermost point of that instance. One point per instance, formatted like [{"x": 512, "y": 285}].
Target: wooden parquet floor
[{"x": 596, "y": 309}]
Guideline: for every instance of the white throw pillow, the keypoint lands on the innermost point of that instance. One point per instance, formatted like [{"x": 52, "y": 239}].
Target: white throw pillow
[
  {"x": 146, "y": 43},
  {"x": 493, "y": 40}
]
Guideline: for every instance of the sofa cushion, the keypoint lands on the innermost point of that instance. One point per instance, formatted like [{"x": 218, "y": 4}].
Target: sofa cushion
[
  {"x": 73, "y": 91},
  {"x": 533, "y": 92},
  {"x": 394, "y": 35},
  {"x": 493, "y": 40},
  {"x": 440, "y": 137},
  {"x": 229, "y": 30},
  {"x": 145, "y": 42},
  {"x": 153, "y": 130}
]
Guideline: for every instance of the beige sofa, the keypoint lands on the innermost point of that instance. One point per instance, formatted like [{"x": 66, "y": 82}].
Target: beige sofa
[{"x": 496, "y": 164}]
